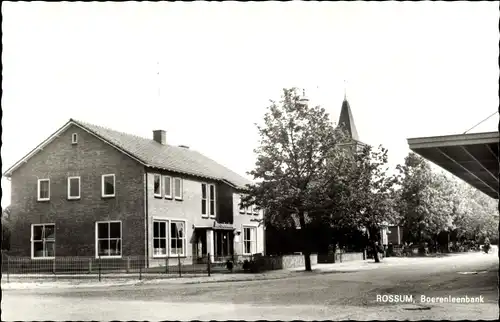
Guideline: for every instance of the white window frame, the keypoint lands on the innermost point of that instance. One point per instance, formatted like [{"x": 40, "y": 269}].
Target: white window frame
[
  {"x": 204, "y": 200},
  {"x": 167, "y": 237},
  {"x": 102, "y": 185},
  {"x": 209, "y": 198},
  {"x": 249, "y": 210},
  {"x": 165, "y": 187},
  {"x": 157, "y": 176},
  {"x": 184, "y": 238},
  {"x": 79, "y": 188},
  {"x": 38, "y": 190},
  {"x": 256, "y": 210},
  {"x": 109, "y": 238},
  {"x": 181, "y": 188},
  {"x": 74, "y": 138},
  {"x": 33, "y": 242},
  {"x": 253, "y": 243}
]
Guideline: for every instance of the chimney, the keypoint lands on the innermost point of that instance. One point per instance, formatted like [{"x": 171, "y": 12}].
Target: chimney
[{"x": 160, "y": 136}]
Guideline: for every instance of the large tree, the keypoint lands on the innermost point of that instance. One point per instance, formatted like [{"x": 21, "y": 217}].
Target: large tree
[
  {"x": 296, "y": 140},
  {"x": 432, "y": 202},
  {"x": 477, "y": 215},
  {"x": 362, "y": 193},
  {"x": 426, "y": 200}
]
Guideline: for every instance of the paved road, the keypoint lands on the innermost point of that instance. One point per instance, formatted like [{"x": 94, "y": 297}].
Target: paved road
[{"x": 309, "y": 296}]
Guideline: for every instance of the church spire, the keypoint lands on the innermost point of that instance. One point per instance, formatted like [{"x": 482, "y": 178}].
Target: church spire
[{"x": 346, "y": 120}]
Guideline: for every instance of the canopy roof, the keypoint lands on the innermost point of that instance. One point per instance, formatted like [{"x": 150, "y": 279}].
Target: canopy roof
[{"x": 471, "y": 157}]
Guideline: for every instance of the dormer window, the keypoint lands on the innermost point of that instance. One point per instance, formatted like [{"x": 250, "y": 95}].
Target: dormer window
[{"x": 74, "y": 138}]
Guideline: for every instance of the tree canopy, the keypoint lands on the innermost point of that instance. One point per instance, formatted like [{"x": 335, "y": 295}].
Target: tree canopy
[
  {"x": 310, "y": 171},
  {"x": 432, "y": 202}
]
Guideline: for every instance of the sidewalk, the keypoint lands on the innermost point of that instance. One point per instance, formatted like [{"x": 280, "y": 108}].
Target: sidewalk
[{"x": 345, "y": 267}]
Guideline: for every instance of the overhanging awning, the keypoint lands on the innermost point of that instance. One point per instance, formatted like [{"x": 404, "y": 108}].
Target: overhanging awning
[{"x": 471, "y": 157}]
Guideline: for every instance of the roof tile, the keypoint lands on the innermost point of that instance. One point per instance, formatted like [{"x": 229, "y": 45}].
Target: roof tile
[{"x": 174, "y": 158}]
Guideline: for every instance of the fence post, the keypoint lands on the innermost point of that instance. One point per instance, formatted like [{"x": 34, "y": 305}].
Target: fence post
[
  {"x": 90, "y": 265},
  {"x": 8, "y": 268},
  {"x": 54, "y": 268},
  {"x": 208, "y": 264},
  {"x": 180, "y": 269},
  {"x": 128, "y": 264},
  {"x": 166, "y": 264},
  {"x": 140, "y": 268},
  {"x": 99, "y": 265}
]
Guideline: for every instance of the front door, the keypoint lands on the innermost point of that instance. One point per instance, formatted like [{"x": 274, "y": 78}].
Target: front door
[
  {"x": 223, "y": 242},
  {"x": 201, "y": 243}
]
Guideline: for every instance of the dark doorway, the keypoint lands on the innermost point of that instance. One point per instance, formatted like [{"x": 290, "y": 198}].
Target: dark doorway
[
  {"x": 223, "y": 242},
  {"x": 201, "y": 243}
]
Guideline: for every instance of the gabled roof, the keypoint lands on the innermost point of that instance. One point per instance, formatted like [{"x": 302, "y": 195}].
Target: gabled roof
[
  {"x": 347, "y": 120},
  {"x": 151, "y": 154}
]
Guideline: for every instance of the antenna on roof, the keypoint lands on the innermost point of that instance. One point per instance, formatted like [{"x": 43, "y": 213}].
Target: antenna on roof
[{"x": 158, "y": 80}]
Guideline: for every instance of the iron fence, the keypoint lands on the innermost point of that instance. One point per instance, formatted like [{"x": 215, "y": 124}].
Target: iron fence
[
  {"x": 104, "y": 267},
  {"x": 138, "y": 267}
]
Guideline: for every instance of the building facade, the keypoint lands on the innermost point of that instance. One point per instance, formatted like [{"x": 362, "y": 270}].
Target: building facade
[{"x": 92, "y": 191}]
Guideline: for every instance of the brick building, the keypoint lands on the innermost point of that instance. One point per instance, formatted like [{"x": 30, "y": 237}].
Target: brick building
[{"x": 92, "y": 191}]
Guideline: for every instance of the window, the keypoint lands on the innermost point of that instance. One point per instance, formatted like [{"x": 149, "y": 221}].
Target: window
[
  {"x": 178, "y": 188},
  {"x": 256, "y": 210},
  {"x": 242, "y": 209},
  {"x": 108, "y": 185},
  {"x": 43, "y": 240},
  {"x": 159, "y": 238},
  {"x": 167, "y": 186},
  {"x": 177, "y": 238},
  {"x": 74, "y": 138},
  {"x": 109, "y": 239},
  {"x": 43, "y": 189},
  {"x": 212, "y": 200},
  {"x": 249, "y": 210},
  {"x": 204, "y": 199},
  {"x": 74, "y": 188},
  {"x": 249, "y": 240},
  {"x": 157, "y": 185}
]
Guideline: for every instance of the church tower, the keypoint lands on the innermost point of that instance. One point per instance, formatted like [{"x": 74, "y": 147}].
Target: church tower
[{"x": 346, "y": 121}]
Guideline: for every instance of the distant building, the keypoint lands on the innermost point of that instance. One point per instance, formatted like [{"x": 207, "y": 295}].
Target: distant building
[
  {"x": 391, "y": 234},
  {"x": 92, "y": 191}
]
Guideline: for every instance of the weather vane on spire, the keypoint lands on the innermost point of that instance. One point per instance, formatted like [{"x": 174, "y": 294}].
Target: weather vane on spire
[{"x": 345, "y": 90}]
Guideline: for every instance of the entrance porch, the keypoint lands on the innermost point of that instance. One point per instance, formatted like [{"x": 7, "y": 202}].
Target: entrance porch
[{"x": 216, "y": 241}]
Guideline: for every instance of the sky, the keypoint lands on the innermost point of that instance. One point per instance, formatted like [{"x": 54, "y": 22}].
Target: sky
[{"x": 205, "y": 71}]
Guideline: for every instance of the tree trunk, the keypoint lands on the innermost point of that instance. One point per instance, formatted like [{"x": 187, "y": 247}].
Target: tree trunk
[
  {"x": 305, "y": 242},
  {"x": 375, "y": 251},
  {"x": 373, "y": 235},
  {"x": 448, "y": 242}
]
